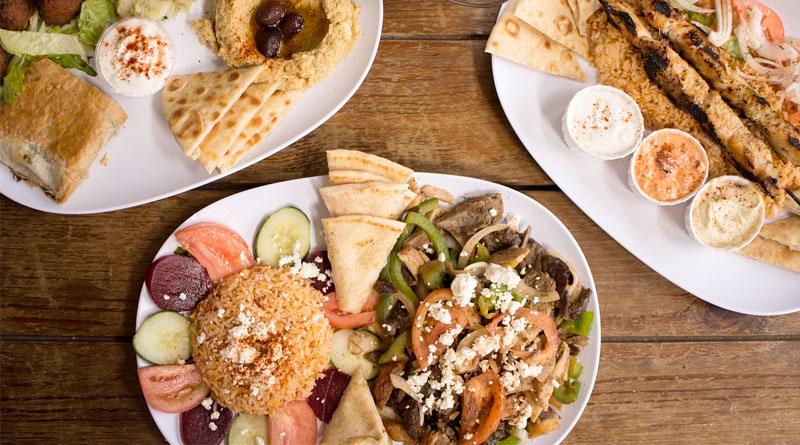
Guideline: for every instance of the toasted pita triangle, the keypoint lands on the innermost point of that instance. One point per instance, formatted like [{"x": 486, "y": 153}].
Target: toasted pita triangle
[
  {"x": 338, "y": 177},
  {"x": 358, "y": 247},
  {"x": 586, "y": 9},
  {"x": 381, "y": 199},
  {"x": 514, "y": 40},
  {"x": 356, "y": 419},
  {"x": 194, "y": 103},
  {"x": 214, "y": 147},
  {"x": 264, "y": 121},
  {"x": 554, "y": 19},
  {"x": 365, "y": 162}
]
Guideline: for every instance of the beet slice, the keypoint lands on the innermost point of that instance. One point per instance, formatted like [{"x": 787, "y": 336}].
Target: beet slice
[
  {"x": 325, "y": 286},
  {"x": 177, "y": 282},
  {"x": 327, "y": 393},
  {"x": 200, "y": 426}
]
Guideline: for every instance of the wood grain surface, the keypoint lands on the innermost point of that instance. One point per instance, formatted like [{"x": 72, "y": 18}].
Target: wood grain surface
[{"x": 673, "y": 368}]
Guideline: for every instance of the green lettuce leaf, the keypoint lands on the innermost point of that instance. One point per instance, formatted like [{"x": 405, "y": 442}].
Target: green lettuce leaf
[
  {"x": 15, "y": 78},
  {"x": 72, "y": 61},
  {"x": 94, "y": 17},
  {"x": 41, "y": 43}
]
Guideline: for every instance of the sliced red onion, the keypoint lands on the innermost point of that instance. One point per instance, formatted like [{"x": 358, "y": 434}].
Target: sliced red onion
[
  {"x": 724, "y": 23},
  {"x": 690, "y": 5}
]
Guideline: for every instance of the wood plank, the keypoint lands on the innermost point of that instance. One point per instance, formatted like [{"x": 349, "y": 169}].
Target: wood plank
[
  {"x": 430, "y": 105},
  {"x": 670, "y": 393},
  {"x": 436, "y": 18},
  {"x": 82, "y": 275}
]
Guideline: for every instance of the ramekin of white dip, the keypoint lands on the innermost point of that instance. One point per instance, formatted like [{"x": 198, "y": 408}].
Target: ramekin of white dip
[
  {"x": 603, "y": 122},
  {"x": 135, "y": 57},
  {"x": 726, "y": 214}
]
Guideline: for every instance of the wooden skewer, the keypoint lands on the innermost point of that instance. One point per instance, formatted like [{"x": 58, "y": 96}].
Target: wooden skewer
[{"x": 794, "y": 197}]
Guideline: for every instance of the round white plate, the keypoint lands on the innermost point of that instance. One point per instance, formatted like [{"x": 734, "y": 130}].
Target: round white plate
[
  {"x": 534, "y": 102},
  {"x": 145, "y": 163},
  {"x": 244, "y": 212}
]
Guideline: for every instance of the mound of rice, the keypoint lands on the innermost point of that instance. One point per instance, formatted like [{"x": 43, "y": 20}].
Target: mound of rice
[{"x": 260, "y": 339}]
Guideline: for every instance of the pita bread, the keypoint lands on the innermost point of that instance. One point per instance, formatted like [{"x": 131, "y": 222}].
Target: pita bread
[
  {"x": 586, "y": 8},
  {"x": 381, "y": 199},
  {"x": 224, "y": 134},
  {"x": 194, "y": 103},
  {"x": 365, "y": 162},
  {"x": 553, "y": 19},
  {"x": 358, "y": 247},
  {"x": 262, "y": 123},
  {"x": 338, "y": 177},
  {"x": 514, "y": 40},
  {"x": 772, "y": 252},
  {"x": 356, "y": 420},
  {"x": 785, "y": 231}
]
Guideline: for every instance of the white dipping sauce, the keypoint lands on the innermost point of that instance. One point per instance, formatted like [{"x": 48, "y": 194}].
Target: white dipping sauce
[
  {"x": 135, "y": 57},
  {"x": 603, "y": 122}
]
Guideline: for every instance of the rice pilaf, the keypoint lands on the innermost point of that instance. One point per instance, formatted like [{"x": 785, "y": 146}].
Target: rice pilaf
[{"x": 260, "y": 339}]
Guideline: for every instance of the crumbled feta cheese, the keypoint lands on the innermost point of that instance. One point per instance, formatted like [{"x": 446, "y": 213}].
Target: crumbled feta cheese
[
  {"x": 309, "y": 270},
  {"x": 493, "y": 212},
  {"x": 502, "y": 275},
  {"x": 512, "y": 219},
  {"x": 438, "y": 312},
  {"x": 182, "y": 296},
  {"x": 207, "y": 402},
  {"x": 417, "y": 381},
  {"x": 201, "y": 338},
  {"x": 166, "y": 297},
  {"x": 467, "y": 436},
  {"x": 442, "y": 258},
  {"x": 254, "y": 390},
  {"x": 215, "y": 415},
  {"x": 212, "y": 426},
  {"x": 510, "y": 380},
  {"x": 463, "y": 287},
  {"x": 259, "y": 440},
  {"x": 485, "y": 345},
  {"x": 448, "y": 337},
  {"x": 318, "y": 260}
]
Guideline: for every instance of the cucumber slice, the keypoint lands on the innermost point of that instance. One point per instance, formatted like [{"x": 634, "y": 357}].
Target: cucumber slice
[
  {"x": 350, "y": 349},
  {"x": 163, "y": 338},
  {"x": 285, "y": 233},
  {"x": 246, "y": 428}
]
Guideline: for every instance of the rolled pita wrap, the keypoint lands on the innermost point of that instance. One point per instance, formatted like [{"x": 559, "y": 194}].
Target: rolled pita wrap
[{"x": 381, "y": 199}]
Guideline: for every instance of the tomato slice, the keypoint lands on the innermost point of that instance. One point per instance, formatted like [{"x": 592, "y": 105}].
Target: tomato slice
[
  {"x": 542, "y": 323},
  {"x": 482, "y": 408},
  {"x": 426, "y": 331},
  {"x": 343, "y": 320},
  {"x": 772, "y": 23},
  {"x": 172, "y": 388},
  {"x": 219, "y": 249},
  {"x": 294, "y": 424}
]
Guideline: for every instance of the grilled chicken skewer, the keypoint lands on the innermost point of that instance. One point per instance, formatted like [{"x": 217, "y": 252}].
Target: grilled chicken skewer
[
  {"x": 717, "y": 68},
  {"x": 752, "y": 157}
]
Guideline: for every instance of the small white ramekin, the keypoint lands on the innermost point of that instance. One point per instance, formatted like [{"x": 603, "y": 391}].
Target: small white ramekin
[
  {"x": 637, "y": 190},
  {"x": 689, "y": 221},
  {"x": 577, "y": 147}
]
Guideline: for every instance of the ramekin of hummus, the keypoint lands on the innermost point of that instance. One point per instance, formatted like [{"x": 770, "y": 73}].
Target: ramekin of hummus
[
  {"x": 668, "y": 168},
  {"x": 727, "y": 213},
  {"x": 602, "y": 122}
]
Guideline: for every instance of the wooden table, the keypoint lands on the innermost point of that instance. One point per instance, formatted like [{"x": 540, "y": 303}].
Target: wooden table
[{"x": 674, "y": 369}]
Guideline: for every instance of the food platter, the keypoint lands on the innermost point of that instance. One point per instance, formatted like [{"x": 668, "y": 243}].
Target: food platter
[
  {"x": 144, "y": 162},
  {"x": 240, "y": 214},
  {"x": 534, "y": 103}
]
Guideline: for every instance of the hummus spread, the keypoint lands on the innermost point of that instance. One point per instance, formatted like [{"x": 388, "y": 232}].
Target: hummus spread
[
  {"x": 727, "y": 214},
  {"x": 330, "y": 31}
]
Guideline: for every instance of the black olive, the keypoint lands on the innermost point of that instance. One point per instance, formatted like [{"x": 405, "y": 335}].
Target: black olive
[
  {"x": 270, "y": 13},
  {"x": 268, "y": 41},
  {"x": 291, "y": 24}
]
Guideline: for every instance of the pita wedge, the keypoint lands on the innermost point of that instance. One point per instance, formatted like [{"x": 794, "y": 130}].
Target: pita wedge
[
  {"x": 358, "y": 247},
  {"x": 585, "y": 10},
  {"x": 194, "y": 103},
  {"x": 785, "y": 231},
  {"x": 381, "y": 199},
  {"x": 224, "y": 134},
  {"x": 773, "y": 252},
  {"x": 356, "y": 420},
  {"x": 514, "y": 40},
  {"x": 365, "y": 162},
  {"x": 261, "y": 124},
  {"x": 553, "y": 18},
  {"x": 338, "y": 177}
]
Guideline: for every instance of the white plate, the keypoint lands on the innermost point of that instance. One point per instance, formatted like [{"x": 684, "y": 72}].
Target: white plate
[
  {"x": 243, "y": 212},
  {"x": 534, "y": 102},
  {"x": 146, "y": 164}
]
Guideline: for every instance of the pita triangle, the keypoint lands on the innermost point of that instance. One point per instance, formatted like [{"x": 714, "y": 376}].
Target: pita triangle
[
  {"x": 358, "y": 247},
  {"x": 381, "y": 199},
  {"x": 224, "y": 133},
  {"x": 554, "y": 19},
  {"x": 365, "y": 162},
  {"x": 356, "y": 419},
  {"x": 194, "y": 103},
  {"x": 338, "y": 177}
]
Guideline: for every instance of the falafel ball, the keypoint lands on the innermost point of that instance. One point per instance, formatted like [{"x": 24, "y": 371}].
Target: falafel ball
[
  {"x": 4, "y": 59},
  {"x": 15, "y": 14},
  {"x": 58, "y": 12}
]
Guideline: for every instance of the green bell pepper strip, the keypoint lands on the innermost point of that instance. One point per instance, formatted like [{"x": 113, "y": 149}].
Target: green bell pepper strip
[
  {"x": 704, "y": 19},
  {"x": 398, "y": 280},
  {"x": 436, "y": 237},
  {"x": 509, "y": 440},
  {"x": 575, "y": 369},
  {"x": 396, "y": 351},
  {"x": 385, "y": 305},
  {"x": 482, "y": 254},
  {"x": 486, "y": 305},
  {"x": 568, "y": 392},
  {"x": 426, "y": 206},
  {"x": 433, "y": 274},
  {"x": 581, "y": 325},
  {"x": 732, "y": 47}
]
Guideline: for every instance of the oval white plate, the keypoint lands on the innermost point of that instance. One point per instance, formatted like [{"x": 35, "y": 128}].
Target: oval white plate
[
  {"x": 534, "y": 101},
  {"x": 146, "y": 164},
  {"x": 244, "y": 212}
]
